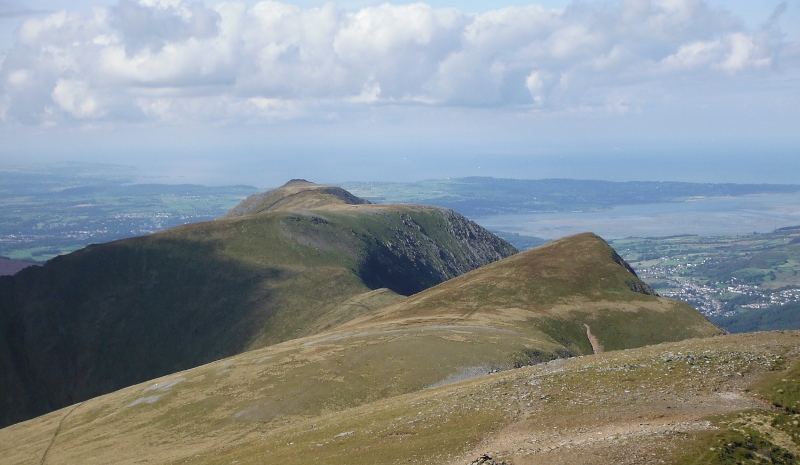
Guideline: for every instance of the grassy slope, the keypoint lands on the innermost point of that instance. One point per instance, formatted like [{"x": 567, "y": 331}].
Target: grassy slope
[
  {"x": 556, "y": 289},
  {"x": 365, "y": 392},
  {"x": 670, "y": 402},
  {"x": 116, "y": 314}
]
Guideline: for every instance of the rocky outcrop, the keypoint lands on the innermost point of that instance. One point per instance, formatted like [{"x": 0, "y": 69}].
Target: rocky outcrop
[
  {"x": 486, "y": 460},
  {"x": 484, "y": 246},
  {"x": 642, "y": 288},
  {"x": 636, "y": 285},
  {"x": 427, "y": 247}
]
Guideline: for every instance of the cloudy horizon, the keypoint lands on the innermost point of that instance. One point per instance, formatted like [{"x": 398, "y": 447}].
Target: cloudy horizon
[{"x": 220, "y": 91}]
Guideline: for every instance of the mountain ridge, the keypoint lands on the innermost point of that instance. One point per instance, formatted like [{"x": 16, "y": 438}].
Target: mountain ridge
[
  {"x": 559, "y": 288},
  {"x": 437, "y": 384},
  {"x": 389, "y": 367},
  {"x": 115, "y": 314}
]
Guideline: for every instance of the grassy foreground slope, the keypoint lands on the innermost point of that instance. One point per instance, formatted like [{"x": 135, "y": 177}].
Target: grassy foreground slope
[
  {"x": 721, "y": 400},
  {"x": 116, "y": 314},
  {"x": 383, "y": 388}
]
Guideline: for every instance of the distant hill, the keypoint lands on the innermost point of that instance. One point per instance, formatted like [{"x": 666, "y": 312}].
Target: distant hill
[
  {"x": 112, "y": 315},
  {"x": 297, "y": 194},
  {"x": 9, "y": 267},
  {"x": 412, "y": 382}
]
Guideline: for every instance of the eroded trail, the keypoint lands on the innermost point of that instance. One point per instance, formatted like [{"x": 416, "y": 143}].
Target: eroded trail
[
  {"x": 627, "y": 434},
  {"x": 597, "y": 346},
  {"x": 593, "y": 443},
  {"x": 55, "y": 433}
]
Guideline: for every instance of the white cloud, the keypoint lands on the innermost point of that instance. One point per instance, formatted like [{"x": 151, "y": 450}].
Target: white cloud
[
  {"x": 397, "y": 46},
  {"x": 4, "y": 104},
  {"x": 370, "y": 94},
  {"x": 733, "y": 52},
  {"x": 156, "y": 24},
  {"x": 77, "y": 99},
  {"x": 18, "y": 78},
  {"x": 701, "y": 53},
  {"x": 744, "y": 52},
  {"x": 535, "y": 85},
  {"x": 177, "y": 61}
]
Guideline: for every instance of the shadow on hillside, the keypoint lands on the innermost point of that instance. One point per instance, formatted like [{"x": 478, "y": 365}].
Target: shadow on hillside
[
  {"x": 400, "y": 272},
  {"x": 117, "y": 314}
]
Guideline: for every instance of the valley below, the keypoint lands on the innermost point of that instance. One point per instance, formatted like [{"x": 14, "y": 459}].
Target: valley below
[{"x": 746, "y": 282}]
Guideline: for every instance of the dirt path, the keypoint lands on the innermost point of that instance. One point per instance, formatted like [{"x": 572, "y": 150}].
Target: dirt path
[
  {"x": 58, "y": 430},
  {"x": 761, "y": 423},
  {"x": 631, "y": 435},
  {"x": 588, "y": 443},
  {"x": 597, "y": 347}
]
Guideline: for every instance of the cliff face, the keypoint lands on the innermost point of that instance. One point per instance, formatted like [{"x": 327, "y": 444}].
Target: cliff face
[
  {"x": 426, "y": 247},
  {"x": 116, "y": 314}
]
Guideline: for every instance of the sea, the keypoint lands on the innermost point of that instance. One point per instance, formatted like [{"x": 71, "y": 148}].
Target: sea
[{"x": 707, "y": 216}]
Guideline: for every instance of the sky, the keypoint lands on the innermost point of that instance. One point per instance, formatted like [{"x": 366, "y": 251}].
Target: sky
[{"x": 248, "y": 92}]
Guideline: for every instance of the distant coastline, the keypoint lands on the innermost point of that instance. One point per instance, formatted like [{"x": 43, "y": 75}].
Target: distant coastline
[{"x": 711, "y": 216}]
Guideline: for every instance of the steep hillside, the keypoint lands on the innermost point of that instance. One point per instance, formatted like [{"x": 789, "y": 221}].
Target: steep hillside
[
  {"x": 560, "y": 289},
  {"x": 384, "y": 388},
  {"x": 116, "y": 314}
]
